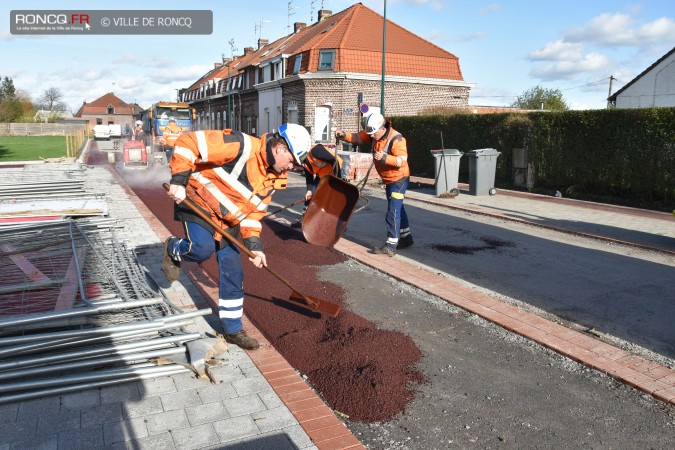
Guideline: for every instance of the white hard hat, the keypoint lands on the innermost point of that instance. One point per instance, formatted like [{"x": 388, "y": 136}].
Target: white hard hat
[
  {"x": 298, "y": 140},
  {"x": 374, "y": 122},
  {"x": 138, "y": 122}
]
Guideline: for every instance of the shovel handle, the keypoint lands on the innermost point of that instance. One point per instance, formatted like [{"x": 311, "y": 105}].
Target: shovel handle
[
  {"x": 190, "y": 204},
  {"x": 285, "y": 207}
]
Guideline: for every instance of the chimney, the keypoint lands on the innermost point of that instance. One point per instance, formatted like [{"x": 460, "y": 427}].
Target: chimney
[
  {"x": 262, "y": 43},
  {"x": 324, "y": 14},
  {"x": 297, "y": 26},
  {"x": 216, "y": 65},
  {"x": 248, "y": 50}
]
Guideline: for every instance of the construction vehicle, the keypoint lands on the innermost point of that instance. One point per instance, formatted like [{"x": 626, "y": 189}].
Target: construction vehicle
[{"x": 165, "y": 122}]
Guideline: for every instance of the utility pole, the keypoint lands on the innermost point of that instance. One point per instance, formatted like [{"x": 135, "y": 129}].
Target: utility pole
[{"x": 609, "y": 103}]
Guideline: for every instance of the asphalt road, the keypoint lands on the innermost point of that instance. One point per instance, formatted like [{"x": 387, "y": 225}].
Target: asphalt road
[{"x": 486, "y": 387}]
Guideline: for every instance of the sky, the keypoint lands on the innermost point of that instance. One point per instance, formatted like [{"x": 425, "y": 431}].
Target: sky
[{"x": 504, "y": 47}]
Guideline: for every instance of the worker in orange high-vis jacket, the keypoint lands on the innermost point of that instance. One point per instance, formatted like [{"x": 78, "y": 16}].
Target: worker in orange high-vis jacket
[
  {"x": 231, "y": 176},
  {"x": 320, "y": 161},
  {"x": 390, "y": 155}
]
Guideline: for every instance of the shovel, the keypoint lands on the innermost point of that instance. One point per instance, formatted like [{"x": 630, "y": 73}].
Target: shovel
[{"x": 312, "y": 303}]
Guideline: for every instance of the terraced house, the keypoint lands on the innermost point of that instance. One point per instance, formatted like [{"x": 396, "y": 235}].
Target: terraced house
[{"x": 322, "y": 74}]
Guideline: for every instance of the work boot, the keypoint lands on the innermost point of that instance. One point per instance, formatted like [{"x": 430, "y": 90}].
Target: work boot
[
  {"x": 405, "y": 242},
  {"x": 384, "y": 250},
  {"x": 242, "y": 340},
  {"x": 170, "y": 267}
]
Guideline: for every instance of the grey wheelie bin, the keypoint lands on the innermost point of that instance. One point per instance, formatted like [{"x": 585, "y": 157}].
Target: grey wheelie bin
[
  {"x": 446, "y": 163},
  {"x": 482, "y": 168}
]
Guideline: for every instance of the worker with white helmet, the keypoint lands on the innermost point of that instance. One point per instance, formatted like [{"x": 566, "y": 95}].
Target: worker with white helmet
[
  {"x": 138, "y": 134},
  {"x": 390, "y": 155},
  {"x": 231, "y": 176}
]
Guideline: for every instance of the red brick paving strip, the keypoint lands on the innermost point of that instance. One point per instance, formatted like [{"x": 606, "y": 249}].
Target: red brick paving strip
[
  {"x": 654, "y": 379},
  {"x": 319, "y": 422}
]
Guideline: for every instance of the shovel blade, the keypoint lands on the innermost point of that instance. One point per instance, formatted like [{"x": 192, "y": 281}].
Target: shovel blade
[
  {"x": 329, "y": 211},
  {"x": 315, "y": 304}
]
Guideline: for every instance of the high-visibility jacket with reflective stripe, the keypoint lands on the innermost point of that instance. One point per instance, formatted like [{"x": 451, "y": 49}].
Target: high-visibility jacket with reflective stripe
[
  {"x": 319, "y": 167},
  {"x": 394, "y": 165},
  {"x": 226, "y": 174}
]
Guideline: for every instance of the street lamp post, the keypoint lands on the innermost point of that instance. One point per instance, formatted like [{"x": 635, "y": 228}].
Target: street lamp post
[{"x": 384, "y": 52}]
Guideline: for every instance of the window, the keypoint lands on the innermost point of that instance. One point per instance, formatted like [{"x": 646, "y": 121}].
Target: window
[
  {"x": 111, "y": 110},
  {"x": 298, "y": 61},
  {"x": 326, "y": 59},
  {"x": 99, "y": 121}
]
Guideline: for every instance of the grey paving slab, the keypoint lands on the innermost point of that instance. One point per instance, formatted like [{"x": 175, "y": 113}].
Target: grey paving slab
[
  {"x": 271, "y": 399},
  {"x": 47, "y": 406},
  {"x": 170, "y": 420},
  {"x": 86, "y": 438},
  {"x": 219, "y": 391},
  {"x": 111, "y": 412},
  {"x": 298, "y": 436},
  {"x": 273, "y": 419},
  {"x": 15, "y": 431},
  {"x": 80, "y": 400},
  {"x": 180, "y": 399},
  {"x": 235, "y": 428},
  {"x": 66, "y": 420},
  {"x": 124, "y": 431},
  {"x": 246, "y": 404},
  {"x": 206, "y": 413},
  {"x": 8, "y": 413},
  {"x": 195, "y": 437},
  {"x": 251, "y": 385},
  {"x": 120, "y": 393},
  {"x": 162, "y": 441},
  {"x": 156, "y": 386},
  {"x": 50, "y": 442},
  {"x": 144, "y": 407},
  {"x": 275, "y": 440}
]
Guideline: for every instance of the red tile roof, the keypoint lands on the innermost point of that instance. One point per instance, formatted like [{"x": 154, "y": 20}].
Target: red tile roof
[{"x": 100, "y": 106}]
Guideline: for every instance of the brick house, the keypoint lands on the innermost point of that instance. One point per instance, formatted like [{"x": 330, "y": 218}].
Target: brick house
[
  {"x": 107, "y": 110},
  {"x": 320, "y": 75}
]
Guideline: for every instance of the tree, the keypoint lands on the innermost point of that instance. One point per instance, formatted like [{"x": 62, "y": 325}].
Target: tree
[
  {"x": 50, "y": 100},
  {"x": 534, "y": 97},
  {"x": 7, "y": 90},
  {"x": 10, "y": 106}
]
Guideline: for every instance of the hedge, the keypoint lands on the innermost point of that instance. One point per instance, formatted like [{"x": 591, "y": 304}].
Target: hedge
[{"x": 623, "y": 156}]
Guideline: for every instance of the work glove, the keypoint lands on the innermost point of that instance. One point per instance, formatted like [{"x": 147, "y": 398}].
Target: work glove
[{"x": 177, "y": 193}]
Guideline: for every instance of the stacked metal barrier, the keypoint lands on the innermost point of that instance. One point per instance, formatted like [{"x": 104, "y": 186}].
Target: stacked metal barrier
[{"x": 77, "y": 311}]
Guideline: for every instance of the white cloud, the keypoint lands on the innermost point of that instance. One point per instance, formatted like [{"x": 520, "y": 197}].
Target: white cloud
[
  {"x": 618, "y": 29},
  {"x": 557, "y": 51},
  {"x": 569, "y": 70}
]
